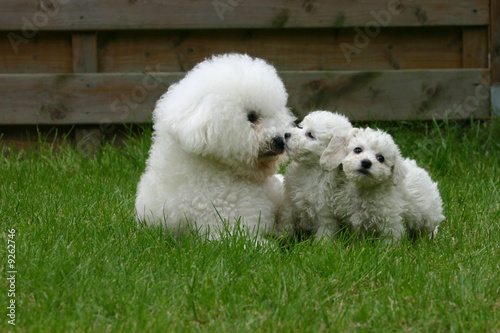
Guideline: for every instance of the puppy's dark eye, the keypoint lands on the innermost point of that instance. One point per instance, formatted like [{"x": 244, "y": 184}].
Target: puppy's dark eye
[
  {"x": 380, "y": 158},
  {"x": 310, "y": 135},
  {"x": 357, "y": 150},
  {"x": 252, "y": 117}
]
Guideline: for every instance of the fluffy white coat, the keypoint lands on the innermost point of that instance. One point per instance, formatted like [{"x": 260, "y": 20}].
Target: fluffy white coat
[
  {"x": 311, "y": 184},
  {"x": 217, "y": 143},
  {"x": 386, "y": 194}
]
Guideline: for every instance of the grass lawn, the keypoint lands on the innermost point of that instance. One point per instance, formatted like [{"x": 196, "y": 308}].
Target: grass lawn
[{"x": 84, "y": 266}]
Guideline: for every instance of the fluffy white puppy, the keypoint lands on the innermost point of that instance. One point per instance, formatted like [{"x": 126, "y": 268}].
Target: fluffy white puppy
[
  {"x": 423, "y": 209},
  {"x": 311, "y": 184},
  {"x": 217, "y": 143},
  {"x": 384, "y": 193}
]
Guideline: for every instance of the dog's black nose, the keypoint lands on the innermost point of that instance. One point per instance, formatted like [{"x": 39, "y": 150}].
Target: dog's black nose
[
  {"x": 366, "y": 164},
  {"x": 288, "y": 135},
  {"x": 278, "y": 144}
]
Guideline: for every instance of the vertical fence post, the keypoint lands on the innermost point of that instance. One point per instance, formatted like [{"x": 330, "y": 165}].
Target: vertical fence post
[
  {"x": 495, "y": 56},
  {"x": 85, "y": 60}
]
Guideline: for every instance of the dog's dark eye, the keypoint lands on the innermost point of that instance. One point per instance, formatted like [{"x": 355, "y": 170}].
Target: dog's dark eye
[
  {"x": 380, "y": 158},
  {"x": 310, "y": 135},
  {"x": 252, "y": 117},
  {"x": 357, "y": 150}
]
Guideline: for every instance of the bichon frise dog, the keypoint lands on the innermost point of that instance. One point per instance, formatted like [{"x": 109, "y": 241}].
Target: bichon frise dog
[
  {"x": 423, "y": 210},
  {"x": 386, "y": 194},
  {"x": 217, "y": 143},
  {"x": 310, "y": 181}
]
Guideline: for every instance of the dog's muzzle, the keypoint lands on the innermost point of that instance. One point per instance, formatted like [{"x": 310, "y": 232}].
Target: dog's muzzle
[
  {"x": 275, "y": 147},
  {"x": 365, "y": 167}
]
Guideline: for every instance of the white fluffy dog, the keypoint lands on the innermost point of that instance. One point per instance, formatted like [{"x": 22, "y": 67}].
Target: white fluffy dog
[
  {"x": 311, "y": 182},
  {"x": 217, "y": 143},
  {"x": 386, "y": 194}
]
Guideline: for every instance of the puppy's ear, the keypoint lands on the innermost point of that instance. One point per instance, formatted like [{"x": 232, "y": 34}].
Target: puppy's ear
[
  {"x": 336, "y": 151},
  {"x": 398, "y": 171}
]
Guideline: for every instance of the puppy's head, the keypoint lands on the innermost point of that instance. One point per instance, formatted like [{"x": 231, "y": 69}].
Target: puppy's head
[
  {"x": 373, "y": 158},
  {"x": 319, "y": 130},
  {"x": 231, "y": 108}
]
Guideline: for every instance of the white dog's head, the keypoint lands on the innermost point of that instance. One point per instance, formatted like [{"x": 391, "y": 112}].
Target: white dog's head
[
  {"x": 231, "y": 108},
  {"x": 372, "y": 158},
  {"x": 317, "y": 137}
]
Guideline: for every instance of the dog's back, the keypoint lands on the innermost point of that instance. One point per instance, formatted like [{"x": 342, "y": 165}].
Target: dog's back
[{"x": 423, "y": 204}]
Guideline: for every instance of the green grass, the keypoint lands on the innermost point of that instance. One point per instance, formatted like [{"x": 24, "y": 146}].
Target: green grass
[{"x": 84, "y": 266}]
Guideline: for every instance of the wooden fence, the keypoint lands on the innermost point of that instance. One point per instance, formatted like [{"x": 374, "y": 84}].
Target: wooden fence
[{"x": 104, "y": 62}]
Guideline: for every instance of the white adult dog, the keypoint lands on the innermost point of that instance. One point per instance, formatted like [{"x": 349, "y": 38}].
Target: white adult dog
[
  {"x": 217, "y": 143},
  {"x": 311, "y": 182},
  {"x": 386, "y": 194}
]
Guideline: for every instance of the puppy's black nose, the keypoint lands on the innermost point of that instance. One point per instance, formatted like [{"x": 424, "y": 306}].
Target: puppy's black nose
[
  {"x": 288, "y": 135},
  {"x": 366, "y": 164},
  {"x": 278, "y": 144}
]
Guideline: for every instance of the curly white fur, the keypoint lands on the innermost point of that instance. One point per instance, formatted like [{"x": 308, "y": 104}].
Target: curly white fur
[
  {"x": 217, "y": 143},
  {"x": 386, "y": 194},
  {"x": 310, "y": 183},
  {"x": 423, "y": 209}
]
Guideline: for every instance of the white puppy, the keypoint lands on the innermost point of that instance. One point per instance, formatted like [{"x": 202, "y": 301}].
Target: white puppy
[
  {"x": 384, "y": 193},
  {"x": 311, "y": 184},
  {"x": 423, "y": 210},
  {"x": 217, "y": 143}
]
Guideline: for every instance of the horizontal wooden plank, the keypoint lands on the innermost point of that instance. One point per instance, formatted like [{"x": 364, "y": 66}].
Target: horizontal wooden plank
[
  {"x": 290, "y": 49},
  {"x": 294, "y": 49},
  {"x": 48, "y": 52},
  {"x": 130, "y": 98},
  {"x": 80, "y": 98},
  {"x": 32, "y": 15},
  {"x": 392, "y": 95}
]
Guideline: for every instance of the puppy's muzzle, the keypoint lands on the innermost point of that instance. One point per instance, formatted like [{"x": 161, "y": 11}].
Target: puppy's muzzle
[
  {"x": 366, "y": 164},
  {"x": 365, "y": 167},
  {"x": 275, "y": 147}
]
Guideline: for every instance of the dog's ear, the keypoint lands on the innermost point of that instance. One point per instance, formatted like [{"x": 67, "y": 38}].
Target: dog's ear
[
  {"x": 189, "y": 127},
  {"x": 398, "y": 171},
  {"x": 333, "y": 155},
  {"x": 336, "y": 151}
]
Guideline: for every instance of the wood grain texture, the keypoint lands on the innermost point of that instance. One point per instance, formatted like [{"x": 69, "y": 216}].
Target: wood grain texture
[
  {"x": 84, "y": 45},
  {"x": 295, "y": 49},
  {"x": 80, "y": 98},
  {"x": 85, "y": 52},
  {"x": 475, "y": 47},
  {"x": 48, "y": 52},
  {"x": 130, "y": 98},
  {"x": 287, "y": 49},
  {"x": 495, "y": 42},
  {"x": 392, "y": 95},
  {"x": 17, "y": 15}
]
